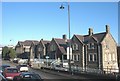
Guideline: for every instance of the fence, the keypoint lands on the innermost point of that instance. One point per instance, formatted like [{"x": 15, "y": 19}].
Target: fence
[{"x": 53, "y": 64}]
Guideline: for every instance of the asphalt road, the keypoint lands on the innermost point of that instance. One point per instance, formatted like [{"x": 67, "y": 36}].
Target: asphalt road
[
  {"x": 45, "y": 74},
  {"x": 48, "y": 75}
]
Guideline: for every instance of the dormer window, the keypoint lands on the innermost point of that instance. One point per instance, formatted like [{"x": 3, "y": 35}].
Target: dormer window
[
  {"x": 52, "y": 48},
  {"x": 91, "y": 46},
  {"x": 75, "y": 46},
  {"x": 39, "y": 49}
]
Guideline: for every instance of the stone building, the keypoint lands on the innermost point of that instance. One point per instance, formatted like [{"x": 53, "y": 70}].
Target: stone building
[{"x": 95, "y": 50}]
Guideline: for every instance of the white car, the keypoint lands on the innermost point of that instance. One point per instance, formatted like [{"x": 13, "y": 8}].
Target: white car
[{"x": 23, "y": 68}]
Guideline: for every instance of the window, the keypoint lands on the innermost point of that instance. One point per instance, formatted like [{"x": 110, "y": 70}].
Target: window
[
  {"x": 107, "y": 46},
  {"x": 106, "y": 57},
  {"x": 109, "y": 56},
  {"x": 40, "y": 48},
  {"x": 93, "y": 57},
  {"x": 78, "y": 58},
  {"x": 75, "y": 46},
  {"x": 75, "y": 57},
  {"x": 113, "y": 57},
  {"x": 88, "y": 46},
  {"x": 90, "y": 57},
  {"x": 91, "y": 46},
  {"x": 52, "y": 48}
]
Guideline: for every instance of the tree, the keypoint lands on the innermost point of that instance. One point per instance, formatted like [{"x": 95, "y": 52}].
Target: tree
[
  {"x": 8, "y": 52},
  {"x": 12, "y": 53},
  {"x": 5, "y": 51}
]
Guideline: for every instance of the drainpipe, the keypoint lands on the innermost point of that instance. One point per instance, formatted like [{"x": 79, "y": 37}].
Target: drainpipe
[
  {"x": 86, "y": 57},
  {"x": 99, "y": 63},
  {"x": 83, "y": 61}
]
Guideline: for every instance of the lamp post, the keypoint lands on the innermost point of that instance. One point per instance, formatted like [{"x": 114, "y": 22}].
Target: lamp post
[{"x": 62, "y": 7}]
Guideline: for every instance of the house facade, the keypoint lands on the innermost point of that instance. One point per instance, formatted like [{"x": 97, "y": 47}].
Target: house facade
[
  {"x": 33, "y": 50},
  {"x": 57, "y": 48},
  {"x": 94, "y": 50},
  {"x": 23, "y": 48},
  {"x": 97, "y": 50},
  {"x": 42, "y": 49}
]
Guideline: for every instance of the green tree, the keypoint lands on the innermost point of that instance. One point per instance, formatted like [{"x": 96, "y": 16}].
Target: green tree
[
  {"x": 5, "y": 51},
  {"x": 8, "y": 52},
  {"x": 12, "y": 53}
]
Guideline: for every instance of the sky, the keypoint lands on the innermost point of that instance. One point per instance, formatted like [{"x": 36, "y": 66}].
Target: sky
[{"x": 45, "y": 20}]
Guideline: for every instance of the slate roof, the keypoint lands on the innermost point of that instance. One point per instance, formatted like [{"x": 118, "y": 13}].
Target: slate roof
[
  {"x": 46, "y": 41},
  {"x": 35, "y": 42},
  {"x": 60, "y": 41},
  {"x": 28, "y": 42},
  {"x": 86, "y": 38},
  {"x": 62, "y": 50}
]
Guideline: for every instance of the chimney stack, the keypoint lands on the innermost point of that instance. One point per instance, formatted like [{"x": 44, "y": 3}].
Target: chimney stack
[
  {"x": 65, "y": 37},
  {"x": 107, "y": 29},
  {"x": 90, "y": 31}
]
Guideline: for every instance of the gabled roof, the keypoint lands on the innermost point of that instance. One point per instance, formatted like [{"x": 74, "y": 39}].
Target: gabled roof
[
  {"x": 35, "y": 42},
  {"x": 28, "y": 42},
  {"x": 20, "y": 42},
  {"x": 80, "y": 38},
  {"x": 98, "y": 37},
  {"x": 46, "y": 41},
  {"x": 60, "y": 41},
  {"x": 62, "y": 50}
]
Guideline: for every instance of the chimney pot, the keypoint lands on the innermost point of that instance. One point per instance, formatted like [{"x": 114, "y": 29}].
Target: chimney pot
[
  {"x": 65, "y": 37},
  {"x": 90, "y": 31},
  {"x": 107, "y": 29}
]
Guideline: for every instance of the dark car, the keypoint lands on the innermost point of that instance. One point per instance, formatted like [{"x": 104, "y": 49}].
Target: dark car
[
  {"x": 4, "y": 66},
  {"x": 118, "y": 77},
  {"x": 27, "y": 76},
  {"x": 2, "y": 78}
]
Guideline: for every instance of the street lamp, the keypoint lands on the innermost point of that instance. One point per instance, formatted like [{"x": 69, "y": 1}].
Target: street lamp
[{"x": 62, "y": 7}]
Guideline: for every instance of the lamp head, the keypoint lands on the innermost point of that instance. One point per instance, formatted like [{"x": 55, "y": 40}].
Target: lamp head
[{"x": 62, "y": 7}]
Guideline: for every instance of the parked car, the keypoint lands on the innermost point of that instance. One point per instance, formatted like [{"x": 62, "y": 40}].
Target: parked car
[
  {"x": 10, "y": 72},
  {"x": 22, "y": 68},
  {"x": 117, "y": 77},
  {"x": 15, "y": 60},
  {"x": 22, "y": 61},
  {"x": 26, "y": 76},
  {"x": 60, "y": 68},
  {"x": 3, "y": 67},
  {"x": 2, "y": 78}
]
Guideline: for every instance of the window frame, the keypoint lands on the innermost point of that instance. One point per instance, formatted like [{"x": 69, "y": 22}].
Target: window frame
[{"x": 92, "y": 57}]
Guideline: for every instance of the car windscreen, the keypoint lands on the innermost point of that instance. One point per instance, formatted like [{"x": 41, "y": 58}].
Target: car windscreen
[
  {"x": 12, "y": 71},
  {"x": 23, "y": 65},
  {"x": 32, "y": 76}
]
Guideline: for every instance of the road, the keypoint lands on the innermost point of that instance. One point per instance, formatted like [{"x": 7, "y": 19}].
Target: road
[{"x": 48, "y": 75}]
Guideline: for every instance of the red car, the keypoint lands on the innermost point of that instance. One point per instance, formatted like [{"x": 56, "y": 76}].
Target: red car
[{"x": 10, "y": 72}]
